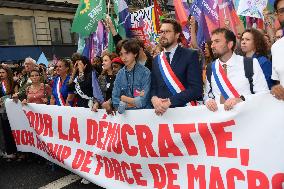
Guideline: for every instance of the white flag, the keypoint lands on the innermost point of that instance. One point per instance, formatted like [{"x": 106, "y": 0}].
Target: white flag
[{"x": 252, "y": 8}]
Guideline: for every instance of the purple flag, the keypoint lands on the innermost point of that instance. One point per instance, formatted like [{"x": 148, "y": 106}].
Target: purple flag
[{"x": 97, "y": 93}]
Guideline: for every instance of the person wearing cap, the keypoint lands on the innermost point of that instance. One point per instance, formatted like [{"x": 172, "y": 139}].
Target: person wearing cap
[{"x": 116, "y": 65}]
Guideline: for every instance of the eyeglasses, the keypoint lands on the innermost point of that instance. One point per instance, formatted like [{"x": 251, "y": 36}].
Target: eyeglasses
[
  {"x": 161, "y": 32},
  {"x": 280, "y": 11}
]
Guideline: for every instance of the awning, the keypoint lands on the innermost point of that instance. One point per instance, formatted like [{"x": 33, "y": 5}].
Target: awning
[{"x": 17, "y": 53}]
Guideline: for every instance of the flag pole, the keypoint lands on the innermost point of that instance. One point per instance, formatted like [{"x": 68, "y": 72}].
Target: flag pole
[{"x": 108, "y": 7}]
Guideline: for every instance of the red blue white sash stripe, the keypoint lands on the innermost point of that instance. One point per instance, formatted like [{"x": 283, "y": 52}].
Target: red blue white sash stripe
[
  {"x": 4, "y": 89},
  {"x": 171, "y": 80},
  {"x": 169, "y": 76},
  {"x": 58, "y": 93},
  {"x": 225, "y": 86}
]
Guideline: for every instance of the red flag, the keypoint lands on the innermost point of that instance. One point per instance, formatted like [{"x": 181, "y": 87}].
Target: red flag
[
  {"x": 181, "y": 13},
  {"x": 157, "y": 12}
]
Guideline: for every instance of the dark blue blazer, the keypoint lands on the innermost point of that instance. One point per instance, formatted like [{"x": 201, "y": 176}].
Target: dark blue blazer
[{"x": 185, "y": 64}]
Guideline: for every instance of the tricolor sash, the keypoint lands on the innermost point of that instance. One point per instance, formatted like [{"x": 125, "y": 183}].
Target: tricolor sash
[
  {"x": 4, "y": 89},
  {"x": 58, "y": 94},
  {"x": 172, "y": 81},
  {"x": 225, "y": 86}
]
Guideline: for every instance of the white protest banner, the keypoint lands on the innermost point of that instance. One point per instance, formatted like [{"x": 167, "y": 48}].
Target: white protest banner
[
  {"x": 252, "y": 8},
  {"x": 184, "y": 148}
]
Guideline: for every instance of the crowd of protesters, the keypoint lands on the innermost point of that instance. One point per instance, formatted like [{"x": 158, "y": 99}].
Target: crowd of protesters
[{"x": 136, "y": 77}]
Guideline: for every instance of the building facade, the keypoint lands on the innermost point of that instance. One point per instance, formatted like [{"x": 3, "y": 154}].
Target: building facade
[{"x": 38, "y": 23}]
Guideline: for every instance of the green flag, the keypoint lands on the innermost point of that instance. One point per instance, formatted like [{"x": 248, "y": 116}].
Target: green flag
[
  {"x": 81, "y": 44},
  {"x": 123, "y": 18},
  {"x": 111, "y": 46},
  {"x": 88, "y": 13}
]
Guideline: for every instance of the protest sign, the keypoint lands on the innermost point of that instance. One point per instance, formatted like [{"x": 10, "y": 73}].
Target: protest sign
[
  {"x": 144, "y": 18},
  {"x": 184, "y": 148},
  {"x": 252, "y": 8}
]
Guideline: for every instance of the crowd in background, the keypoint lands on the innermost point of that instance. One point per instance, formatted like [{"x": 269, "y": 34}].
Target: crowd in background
[{"x": 123, "y": 80}]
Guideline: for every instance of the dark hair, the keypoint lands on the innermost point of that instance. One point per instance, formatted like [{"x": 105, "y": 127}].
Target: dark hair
[
  {"x": 42, "y": 64},
  {"x": 10, "y": 87},
  {"x": 141, "y": 43},
  {"x": 276, "y": 3},
  {"x": 131, "y": 45},
  {"x": 118, "y": 46},
  {"x": 36, "y": 70},
  {"x": 97, "y": 64},
  {"x": 229, "y": 35},
  {"x": 174, "y": 23},
  {"x": 211, "y": 57},
  {"x": 258, "y": 41},
  {"x": 87, "y": 63},
  {"x": 76, "y": 56}
]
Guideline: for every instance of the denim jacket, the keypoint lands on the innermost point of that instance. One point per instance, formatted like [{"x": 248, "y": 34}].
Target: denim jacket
[{"x": 128, "y": 83}]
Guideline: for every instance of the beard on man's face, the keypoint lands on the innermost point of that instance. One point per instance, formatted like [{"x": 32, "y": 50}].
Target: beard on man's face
[
  {"x": 165, "y": 42},
  {"x": 221, "y": 52},
  {"x": 217, "y": 55}
]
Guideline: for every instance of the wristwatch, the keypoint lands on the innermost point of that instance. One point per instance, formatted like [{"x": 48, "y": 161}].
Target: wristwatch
[{"x": 242, "y": 98}]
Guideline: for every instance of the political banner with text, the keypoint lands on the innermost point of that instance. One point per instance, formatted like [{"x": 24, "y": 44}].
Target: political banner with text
[
  {"x": 187, "y": 147},
  {"x": 144, "y": 20}
]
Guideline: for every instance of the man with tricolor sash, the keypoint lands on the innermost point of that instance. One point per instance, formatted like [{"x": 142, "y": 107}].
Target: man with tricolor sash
[
  {"x": 176, "y": 72},
  {"x": 227, "y": 81}
]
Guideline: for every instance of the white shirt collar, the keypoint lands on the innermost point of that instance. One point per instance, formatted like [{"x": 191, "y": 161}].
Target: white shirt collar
[
  {"x": 173, "y": 50},
  {"x": 230, "y": 61}
]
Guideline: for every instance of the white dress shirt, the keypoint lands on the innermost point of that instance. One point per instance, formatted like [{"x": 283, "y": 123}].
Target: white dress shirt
[
  {"x": 236, "y": 75},
  {"x": 172, "y": 53},
  {"x": 277, "y": 51}
]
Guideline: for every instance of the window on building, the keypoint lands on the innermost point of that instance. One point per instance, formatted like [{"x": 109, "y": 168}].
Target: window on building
[
  {"x": 16, "y": 30},
  {"x": 60, "y": 30}
]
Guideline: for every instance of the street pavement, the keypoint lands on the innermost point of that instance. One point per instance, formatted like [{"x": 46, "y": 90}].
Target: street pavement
[{"x": 35, "y": 175}]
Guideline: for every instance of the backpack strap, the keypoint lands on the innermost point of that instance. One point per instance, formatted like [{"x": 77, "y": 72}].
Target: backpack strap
[
  {"x": 248, "y": 67},
  {"x": 208, "y": 77}
]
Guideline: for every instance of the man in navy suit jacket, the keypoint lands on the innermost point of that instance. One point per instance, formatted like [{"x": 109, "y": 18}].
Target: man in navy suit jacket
[{"x": 185, "y": 66}]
